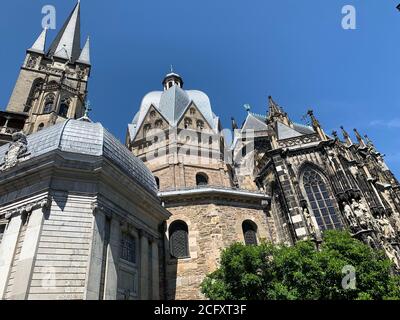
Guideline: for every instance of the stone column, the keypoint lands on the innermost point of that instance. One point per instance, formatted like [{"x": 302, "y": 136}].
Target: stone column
[
  {"x": 7, "y": 249},
  {"x": 155, "y": 270},
  {"x": 144, "y": 266},
  {"x": 27, "y": 256},
  {"x": 96, "y": 256},
  {"x": 111, "y": 284}
]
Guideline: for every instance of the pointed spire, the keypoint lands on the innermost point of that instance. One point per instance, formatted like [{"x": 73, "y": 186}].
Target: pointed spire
[
  {"x": 40, "y": 43},
  {"x": 369, "y": 141},
  {"x": 274, "y": 108},
  {"x": 85, "y": 53},
  {"x": 360, "y": 139},
  {"x": 275, "y": 112},
  {"x": 316, "y": 125},
  {"x": 346, "y": 136},
  {"x": 68, "y": 41},
  {"x": 234, "y": 125},
  {"x": 314, "y": 121}
]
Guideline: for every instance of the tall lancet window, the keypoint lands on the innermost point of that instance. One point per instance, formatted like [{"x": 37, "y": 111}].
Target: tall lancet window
[
  {"x": 49, "y": 103},
  {"x": 320, "y": 199}
]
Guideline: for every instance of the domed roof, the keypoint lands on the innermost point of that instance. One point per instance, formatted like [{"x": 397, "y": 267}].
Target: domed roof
[
  {"x": 87, "y": 138},
  {"x": 172, "y": 104}
]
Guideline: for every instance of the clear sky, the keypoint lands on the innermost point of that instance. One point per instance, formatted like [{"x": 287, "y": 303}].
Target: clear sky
[{"x": 237, "y": 51}]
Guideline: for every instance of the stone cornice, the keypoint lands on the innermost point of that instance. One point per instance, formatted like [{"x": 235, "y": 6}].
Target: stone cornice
[{"x": 43, "y": 202}]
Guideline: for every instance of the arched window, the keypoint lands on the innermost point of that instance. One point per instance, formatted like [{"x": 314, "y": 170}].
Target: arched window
[
  {"x": 200, "y": 124},
  {"x": 157, "y": 182},
  {"x": 49, "y": 103},
  {"x": 34, "y": 93},
  {"x": 320, "y": 199},
  {"x": 40, "y": 127},
  {"x": 188, "y": 123},
  {"x": 201, "y": 179},
  {"x": 179, "y": 239},
  {"x": 64, "y": 106},
  {"x": 249, "y": 233}
]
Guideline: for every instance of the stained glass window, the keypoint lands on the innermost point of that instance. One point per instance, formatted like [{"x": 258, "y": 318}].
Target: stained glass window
[
  {"x": 321, "y": 202},
  {"x": 178, "y": 237}
]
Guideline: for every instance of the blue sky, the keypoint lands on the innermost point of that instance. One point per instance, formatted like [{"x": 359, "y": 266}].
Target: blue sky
[{"x": 237, "y": 52}]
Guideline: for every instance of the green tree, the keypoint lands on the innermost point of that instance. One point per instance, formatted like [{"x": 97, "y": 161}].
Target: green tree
[{"x": 271, "y": 272}]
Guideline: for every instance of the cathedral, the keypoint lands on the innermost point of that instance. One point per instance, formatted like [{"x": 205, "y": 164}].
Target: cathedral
[{"x": 86, "y": 217}]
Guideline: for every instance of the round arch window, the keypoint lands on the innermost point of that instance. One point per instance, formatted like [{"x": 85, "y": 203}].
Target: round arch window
[
  {"x": 179, "y": 239},
  {"x": 250, "y": 233},
  {"x": 201, "y": 179}
]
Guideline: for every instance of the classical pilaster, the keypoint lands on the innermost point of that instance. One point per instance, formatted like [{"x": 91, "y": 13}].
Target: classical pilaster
[
  {"x": 7, "y": 249},
  {"x": 144, "y": 266},
  {"x": 155, "y": 270},
  {"x": 96, "y": 255},
  {"x": 25, "y": 264},
  {"x": 111, "y": 285}
]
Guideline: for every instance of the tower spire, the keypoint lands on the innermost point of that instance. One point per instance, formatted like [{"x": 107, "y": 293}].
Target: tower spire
[
  {"x": 40, "y": 44},
  {"x": 67, "y": 43},
  {"x": 316, "y": 125},
  {"x": 360, "y": 139},
  {"x": 275, "y": 112},
  {"x": 346, "y": 136},
  {"x": 85, "y": 53}
]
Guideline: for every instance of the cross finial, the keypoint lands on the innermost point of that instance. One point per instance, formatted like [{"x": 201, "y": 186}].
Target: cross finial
[
  {"x": 172, "y": 68},
  {"x": 87, "y": 108},
  {"x": 247, "y": 107}
]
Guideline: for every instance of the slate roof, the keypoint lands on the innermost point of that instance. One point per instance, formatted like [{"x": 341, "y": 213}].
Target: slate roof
[
  {"x": 81, "y": 137},
  {"x": 172, "y": 104}
]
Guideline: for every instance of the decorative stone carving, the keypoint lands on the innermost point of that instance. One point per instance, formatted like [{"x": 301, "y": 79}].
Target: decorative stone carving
[
  {"x": 17, "y": 148},
  {"x": 392, "y": 254},
  {"x": 43, "y": 203},
  {"x": 348, "y": 213},
  {"x": 386, "y": 228},
  {"x": 357, "y": 208},
  {"x": 309, "y": 221}
]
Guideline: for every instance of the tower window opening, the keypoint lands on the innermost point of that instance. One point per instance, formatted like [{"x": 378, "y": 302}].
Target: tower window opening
[
  {"x": 201, "y": 179},
  {"x": 157, "y": 182},
  {"x": 64, "y": 107},
  {"x": 49, "y": 104},
  {"x": 41, "y": 126},
  {"x": 200, "y": 124}
]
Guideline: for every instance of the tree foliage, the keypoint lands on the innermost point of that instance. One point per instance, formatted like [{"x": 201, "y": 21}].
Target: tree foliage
[{"x": 301, "y": 272}]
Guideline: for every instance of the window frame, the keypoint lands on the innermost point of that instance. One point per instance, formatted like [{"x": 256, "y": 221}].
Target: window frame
[
  {"x": 174, "y": 227},
  {"x": 321, "y": 201}
]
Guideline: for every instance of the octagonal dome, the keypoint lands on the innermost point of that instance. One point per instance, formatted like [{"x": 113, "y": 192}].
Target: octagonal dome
[{"x": 87, "y": 138}]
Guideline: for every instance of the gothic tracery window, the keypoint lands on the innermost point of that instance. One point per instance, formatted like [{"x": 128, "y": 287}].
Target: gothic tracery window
[
  {"x": 34, "y": 93},
  {"x": 320, "y": 200},
  {"x": 64, "y": 106},
  {"x": 49, "y": 103},
  {"x": 179, "y": 240},
  {"x": 249, "y": 233}
]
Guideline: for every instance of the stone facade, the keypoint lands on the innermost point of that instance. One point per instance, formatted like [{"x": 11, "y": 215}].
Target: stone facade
[{"x": 79, "y": 223}]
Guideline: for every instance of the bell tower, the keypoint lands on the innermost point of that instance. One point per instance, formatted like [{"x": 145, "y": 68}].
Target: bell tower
[{"x": 52, "y": 84}]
